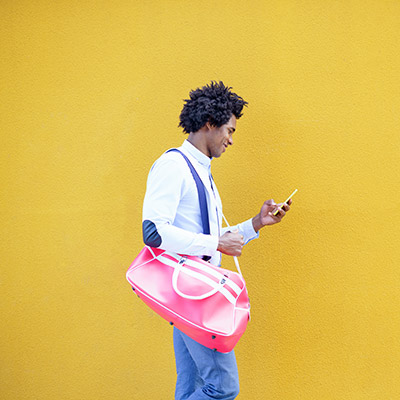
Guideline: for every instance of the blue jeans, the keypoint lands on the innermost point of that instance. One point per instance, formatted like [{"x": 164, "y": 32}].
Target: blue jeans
[{"x": 203, "y": 373}]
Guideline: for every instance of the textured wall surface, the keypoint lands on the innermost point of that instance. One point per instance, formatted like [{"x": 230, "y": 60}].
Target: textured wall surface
[{"x": 91, "y": 93}]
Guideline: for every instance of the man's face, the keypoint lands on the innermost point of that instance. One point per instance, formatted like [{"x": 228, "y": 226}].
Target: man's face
[{"x": 218, "y": 139}]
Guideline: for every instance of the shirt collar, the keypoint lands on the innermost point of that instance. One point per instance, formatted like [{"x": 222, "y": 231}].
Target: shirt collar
[{"x": 196, "y": 153}]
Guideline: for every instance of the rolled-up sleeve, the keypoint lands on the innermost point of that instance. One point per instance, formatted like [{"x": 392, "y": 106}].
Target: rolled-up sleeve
[{"x": 165, "y": 188}]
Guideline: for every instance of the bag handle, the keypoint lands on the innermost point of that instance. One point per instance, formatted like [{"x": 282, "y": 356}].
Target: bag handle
[
  {"x": 235, "y": 259},
  {"x": 175, "y": 275}
]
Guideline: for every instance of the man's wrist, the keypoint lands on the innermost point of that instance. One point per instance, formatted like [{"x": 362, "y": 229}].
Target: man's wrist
[{"x": 256, "y": 221}]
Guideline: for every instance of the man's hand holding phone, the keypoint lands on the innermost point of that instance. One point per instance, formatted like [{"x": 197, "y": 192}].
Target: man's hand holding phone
[{"x": 272, "y": 213}]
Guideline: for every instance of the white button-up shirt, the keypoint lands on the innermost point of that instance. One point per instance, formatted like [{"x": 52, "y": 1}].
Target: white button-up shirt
[{"x": 171, "y": 206}]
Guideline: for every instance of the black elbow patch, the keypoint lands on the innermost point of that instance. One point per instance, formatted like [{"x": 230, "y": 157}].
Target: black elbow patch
[{"x": 150, "y": 235}]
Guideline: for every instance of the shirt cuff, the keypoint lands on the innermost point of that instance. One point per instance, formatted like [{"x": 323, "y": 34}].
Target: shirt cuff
[
  {"x": 248, "y": 231},
  {"x": 210, "y": 244}
]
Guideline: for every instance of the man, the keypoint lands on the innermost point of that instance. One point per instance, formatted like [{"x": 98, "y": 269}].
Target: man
[{"x": 172, "y": 221}]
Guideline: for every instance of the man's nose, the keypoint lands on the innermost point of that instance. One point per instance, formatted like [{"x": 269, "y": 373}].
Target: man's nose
[{"x": 230, "y": 140}]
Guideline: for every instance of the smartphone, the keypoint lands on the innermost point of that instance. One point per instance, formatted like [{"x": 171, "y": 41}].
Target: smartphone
[{"x": 277, "y": 211}]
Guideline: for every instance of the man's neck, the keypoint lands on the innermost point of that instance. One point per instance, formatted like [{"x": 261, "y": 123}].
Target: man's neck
[{"x": 197, "y": 140}]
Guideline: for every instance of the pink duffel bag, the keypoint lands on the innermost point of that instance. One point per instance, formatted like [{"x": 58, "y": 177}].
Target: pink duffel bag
[{"x": 207, "y": 303}]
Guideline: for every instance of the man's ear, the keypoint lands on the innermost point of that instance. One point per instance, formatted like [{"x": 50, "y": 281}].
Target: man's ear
[{"x": 208, "y": 125}]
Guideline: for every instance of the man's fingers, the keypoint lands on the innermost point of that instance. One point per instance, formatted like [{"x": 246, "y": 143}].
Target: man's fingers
[
  {"x": 237, "y": 231},
  {"x": 284, "y": 206},
  {"x": 278, "y": 212},
  {"x": 231, "y": 243},
  {"x": 282, "y": 209},
  {"x": 241, "y": 237}
]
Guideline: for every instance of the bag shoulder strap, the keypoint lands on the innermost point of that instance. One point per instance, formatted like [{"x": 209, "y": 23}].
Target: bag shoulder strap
[{"x": 201, "y": 194}]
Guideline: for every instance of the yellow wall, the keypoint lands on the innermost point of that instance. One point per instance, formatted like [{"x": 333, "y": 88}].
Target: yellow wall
[{"x": 91, "y": 93}]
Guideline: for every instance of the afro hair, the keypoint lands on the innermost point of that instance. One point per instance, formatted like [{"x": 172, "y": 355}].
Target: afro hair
[{"x": 213, "y": 103}]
